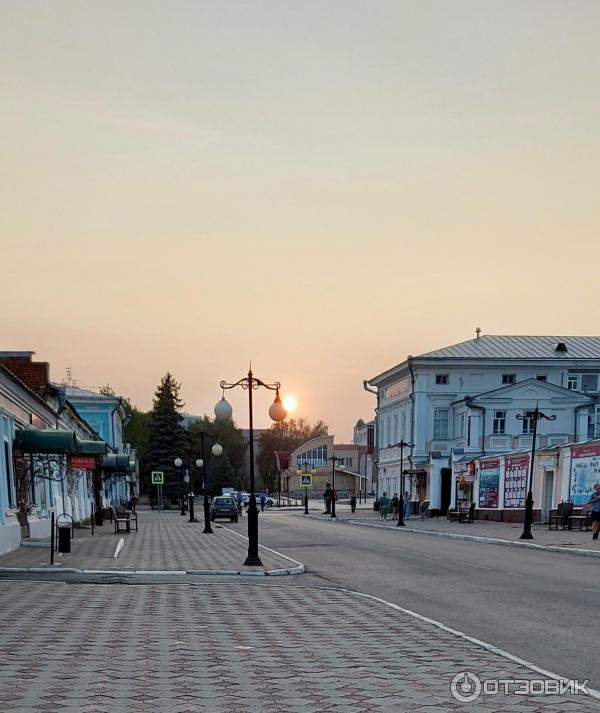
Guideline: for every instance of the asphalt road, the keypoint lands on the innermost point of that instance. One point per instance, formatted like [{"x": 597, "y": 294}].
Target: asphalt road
[{"x": 540, "y": 606}]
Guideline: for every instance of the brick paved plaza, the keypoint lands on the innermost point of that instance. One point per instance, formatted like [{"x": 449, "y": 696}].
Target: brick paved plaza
[
  {"x": 165, "y": 541},
  {"x": 243, "y": 647}
]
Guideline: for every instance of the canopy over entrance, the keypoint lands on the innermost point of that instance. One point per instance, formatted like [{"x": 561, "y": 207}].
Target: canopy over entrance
[{"x": 48, "y": 441}]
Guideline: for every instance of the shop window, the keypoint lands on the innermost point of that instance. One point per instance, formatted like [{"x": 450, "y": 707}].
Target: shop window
[{"x": 499, "y": 423}]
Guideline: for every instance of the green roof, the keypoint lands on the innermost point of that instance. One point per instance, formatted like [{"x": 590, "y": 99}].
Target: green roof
[{"x": 30, "y": 441}]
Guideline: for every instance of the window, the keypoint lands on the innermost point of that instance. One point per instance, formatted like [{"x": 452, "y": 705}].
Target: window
[
  {"x": 440, "y": 423},
  {"x": 528, "y": 422},
  {"x": 542, "y": 377},
  {"x": 573, "y": 383},
  {"x": 461, "y": 427},
  {"x": 349, "y": 462},
  {"x": 509, "y": 378},
  {"x": 9, "y": 476},
  {"x": 442, "y": 378},
  {"x": 499, "y": 423},
  {"x": 468, "y": 430},
  {"x": 317, "y": 456},
  {"x": 589, "y": 382}
]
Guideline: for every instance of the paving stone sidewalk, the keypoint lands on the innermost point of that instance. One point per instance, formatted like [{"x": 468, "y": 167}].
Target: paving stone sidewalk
[
  {"x": 165, "y": 541},
  {"x": 480, "y": 528},
  {"x": 248, "y": 648}
]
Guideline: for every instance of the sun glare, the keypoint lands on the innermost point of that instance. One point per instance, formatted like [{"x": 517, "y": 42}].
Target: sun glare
[{"x": 290, "y": 403}]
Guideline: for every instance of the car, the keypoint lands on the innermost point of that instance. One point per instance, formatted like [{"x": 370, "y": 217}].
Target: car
[
  {"x": 268, "y": 502},
  {"x": 225, "y": 507}
]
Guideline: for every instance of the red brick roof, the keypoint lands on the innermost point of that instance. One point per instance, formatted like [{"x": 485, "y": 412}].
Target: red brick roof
[{"x": 34, "y": 374}]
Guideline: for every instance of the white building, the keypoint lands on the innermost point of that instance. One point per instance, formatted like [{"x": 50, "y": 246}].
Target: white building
[
  {"x": 363, "y": 434},
  {"x": 460, "y": 402}
]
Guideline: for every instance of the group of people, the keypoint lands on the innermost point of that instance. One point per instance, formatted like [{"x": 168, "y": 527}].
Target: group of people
[{"x": 391, "y": 506}]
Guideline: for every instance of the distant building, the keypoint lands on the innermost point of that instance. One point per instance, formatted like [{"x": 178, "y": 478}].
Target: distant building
[
  {"x": 364, "y": 435},
  {"x": 461, "y": 402}
]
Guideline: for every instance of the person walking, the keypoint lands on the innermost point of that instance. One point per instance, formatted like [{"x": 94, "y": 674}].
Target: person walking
[
  {"x": 263, "y": 500},
  {"x": 384, "y": 506},
  {"x": 406, "y": 505},
  {"x": 395, "y": 505},
  {"x": 353, "y": 503},
  {"x": 239, "y": 501},
  {"x": 327, "y": 496},
  {"x": 595, "y": 503}
]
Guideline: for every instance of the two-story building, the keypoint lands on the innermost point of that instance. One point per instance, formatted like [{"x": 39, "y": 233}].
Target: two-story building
[{"x": 475, "y": 399}]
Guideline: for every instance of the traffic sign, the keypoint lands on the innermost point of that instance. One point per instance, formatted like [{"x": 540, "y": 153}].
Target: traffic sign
[
  {"x": 157, "y": 477},
  {"x": 306, "y": 480}
]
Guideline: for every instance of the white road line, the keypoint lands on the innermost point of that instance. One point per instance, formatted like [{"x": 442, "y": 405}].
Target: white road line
[
  {"x": 514, "y": 574},
  {"x": 421, "y": 554},
  {"x": 469, "y": 564},
  {"x": 589, "y": 589}
]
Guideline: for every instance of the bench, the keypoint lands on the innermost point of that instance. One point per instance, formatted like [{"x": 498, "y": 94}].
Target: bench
[
  {"x": 121, "y": 519},
  {"x": 133, "y": 518},
  {"x": 561, "y": 515},
  {"x": 583, "y": 518},
  {"x": 461, "y": 515}
]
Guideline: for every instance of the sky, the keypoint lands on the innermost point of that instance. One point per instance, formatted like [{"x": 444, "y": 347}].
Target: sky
[{"x": 318, "y": 187}]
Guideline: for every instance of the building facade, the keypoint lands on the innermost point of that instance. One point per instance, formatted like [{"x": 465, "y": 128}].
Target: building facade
[{"x": 475, "y": 399}]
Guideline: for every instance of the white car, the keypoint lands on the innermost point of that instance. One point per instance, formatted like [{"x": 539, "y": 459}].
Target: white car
[{"x": 268, "y": 502}]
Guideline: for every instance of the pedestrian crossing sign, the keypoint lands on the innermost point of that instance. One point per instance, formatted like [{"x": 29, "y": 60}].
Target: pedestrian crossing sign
[
  {"x": 157, "y": 477},
  {"x": 306, "y": 480}
]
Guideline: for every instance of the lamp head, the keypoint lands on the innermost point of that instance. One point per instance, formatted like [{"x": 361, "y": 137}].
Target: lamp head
[
  {"x": 277, "y": 411},
  {"x": 178, "y": 462},
  {"x": 217, "y": 449},
  {"x": 199, "y": 462},
  {"x": 223, "y": 410}
]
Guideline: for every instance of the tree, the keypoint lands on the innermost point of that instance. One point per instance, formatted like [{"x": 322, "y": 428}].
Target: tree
[
  {"x": 219, "y": 474},
  {"x": 283, "y": 436},
  {"x": 137, "y": 433},
  {"x": 167, "y": 437}
]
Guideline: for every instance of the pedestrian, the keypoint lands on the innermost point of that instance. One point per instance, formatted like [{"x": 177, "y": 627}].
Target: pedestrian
[
  {"x": 327, "y": 496},
  {"x": 595, "y": 503},
  {"x": 384, "y": 506},
  {"x": 353, "y": 502},
  {"x": 263, "y": 500},
  {"x": 133, "y": 502},
  {"x": 406, "y": 505},
  {"x": 423, "y": 509},
  {"x": 395, "y": 504},
  {"x": 239, "y": 500}
]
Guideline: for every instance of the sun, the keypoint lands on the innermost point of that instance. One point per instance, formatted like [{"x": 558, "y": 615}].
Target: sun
[{"x": 290, "y": 403}]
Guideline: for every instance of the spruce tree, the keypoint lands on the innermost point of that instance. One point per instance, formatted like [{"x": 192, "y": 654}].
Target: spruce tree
[{"x": 167, "y": 438}]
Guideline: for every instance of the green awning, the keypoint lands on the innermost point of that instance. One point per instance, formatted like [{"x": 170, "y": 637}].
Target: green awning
[
  {"x": 30, "y": 441},
  {"x": 91, "y": 448},
  {"x": 117, "y": 463}
]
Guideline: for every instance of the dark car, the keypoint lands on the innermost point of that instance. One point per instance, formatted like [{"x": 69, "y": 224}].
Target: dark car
[{"x": 224, "y": 506}]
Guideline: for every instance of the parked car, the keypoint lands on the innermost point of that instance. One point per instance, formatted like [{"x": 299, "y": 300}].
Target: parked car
[
  {"x": 268, "y": 502},
  {"x": 223, "y": 506}
]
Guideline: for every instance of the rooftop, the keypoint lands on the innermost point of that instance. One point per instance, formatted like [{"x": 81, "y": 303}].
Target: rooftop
[{"x": 492, "y": 346}]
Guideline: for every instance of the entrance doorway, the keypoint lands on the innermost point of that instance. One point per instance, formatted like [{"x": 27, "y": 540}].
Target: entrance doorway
[
  {"x": 548, "y": 484},
  {"x": 446, "y": 491}
]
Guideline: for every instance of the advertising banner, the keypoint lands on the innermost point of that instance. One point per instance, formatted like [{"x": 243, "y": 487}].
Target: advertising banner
[
  {"x": 83, "y": 462},
  {"x": 586, "y": 471},
  {"x": 516, "y": 472},
  {"x": 489, "y": 483}
]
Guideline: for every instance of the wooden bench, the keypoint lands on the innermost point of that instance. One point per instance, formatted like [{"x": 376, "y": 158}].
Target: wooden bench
[
  {"x": 462, "y": 515},
  {"x": 120, "y": 519},
  {"x": 583, "y": 518},
  {"x": 561, "y": 515}
]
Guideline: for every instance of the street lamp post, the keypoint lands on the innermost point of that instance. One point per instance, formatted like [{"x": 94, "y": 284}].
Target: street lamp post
[
  {"x": 334, "y": 460},
  {"x": 178, "y": 462},
  {"x": 534, "y": 416},
  {"x": 216, "y": 450},
  {"x": 277, "y": 412},
  {"x": 402, "y": 445},
  {"x": 305, "y": 471}
]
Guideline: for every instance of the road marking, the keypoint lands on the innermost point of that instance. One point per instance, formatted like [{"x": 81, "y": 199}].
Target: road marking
[
  {"x": 478, "y": 566},
  {"x": 589, "y": 589},
  {"x": 514, "y": 574},
  {"x": 421, "y": 554}
]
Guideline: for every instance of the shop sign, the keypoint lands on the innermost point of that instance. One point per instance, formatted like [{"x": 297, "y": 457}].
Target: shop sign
[
  {"x": 586, "y": 471},
  {"x": 83, "y": 462}
]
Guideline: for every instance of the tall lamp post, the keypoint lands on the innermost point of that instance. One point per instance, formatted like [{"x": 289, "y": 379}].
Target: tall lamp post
[
  {"x": 216, "y": 450},
  {"x": 305, "y": 471},
  {"x": 334, "y": 460},
  {"x": 534, "y": 416},
  {"x": 178, "y": 463},
  {"x": 277, "y": 412},
  {"x": 402, "y": 445}
]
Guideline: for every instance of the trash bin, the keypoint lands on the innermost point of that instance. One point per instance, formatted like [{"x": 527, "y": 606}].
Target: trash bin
[
  {"x": 64, "y": 539},
  {"x": 376, "y": 505}
]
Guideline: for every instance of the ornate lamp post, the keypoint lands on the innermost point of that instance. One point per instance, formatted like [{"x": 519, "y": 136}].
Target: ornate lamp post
[
  {"x": 178, "y": 463},
  {"x": 277, "y": 412},
  {"x": 334, "y": 460},
  {"x": 216, "y": 450},
  {"x": 305, "y": 471},
  {"x": 402, "y": 445},
  {"x": 534, "y": 416}
]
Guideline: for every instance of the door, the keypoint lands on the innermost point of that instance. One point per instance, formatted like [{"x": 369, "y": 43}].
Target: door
[
  {"x": 548, "y": 492},
  {"x": 446, "y": 476}
]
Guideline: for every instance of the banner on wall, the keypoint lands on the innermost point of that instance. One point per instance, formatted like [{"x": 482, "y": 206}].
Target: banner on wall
[
  {"x": 586, "y": 471},
  {"x": 489, "y": 483},
  {"x": 516, "y": 472}
]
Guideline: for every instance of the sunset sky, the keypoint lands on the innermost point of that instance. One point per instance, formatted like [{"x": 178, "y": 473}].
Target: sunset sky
[{"x": 319, "y": 187}]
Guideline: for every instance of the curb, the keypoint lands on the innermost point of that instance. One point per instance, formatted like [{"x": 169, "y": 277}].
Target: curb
[
  {"x": 158, "y": 573},
  {"x": 478, "y": 538}
]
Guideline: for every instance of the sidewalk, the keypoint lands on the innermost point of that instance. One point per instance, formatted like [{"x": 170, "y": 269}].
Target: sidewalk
[
  {"x": 166, "y": 542},
  {"x": 574, "y": 539},
  {"x": 249, "y": 648}
]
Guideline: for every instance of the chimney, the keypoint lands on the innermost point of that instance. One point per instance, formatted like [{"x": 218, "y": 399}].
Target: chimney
[
  {"x": 478, "y": 332},
  {"x": 34, "y": 374}
]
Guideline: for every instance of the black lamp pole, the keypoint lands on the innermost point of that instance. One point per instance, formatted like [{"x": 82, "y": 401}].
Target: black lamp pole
[
  {"x": 535, "y": 416},
  {"x": 304, "y": 469},
  {"x": 334, "y": 460},
  {"x": 187, "y": 471},
  {"x": 250, "y": 383},
  {"x": 207, "y": 528},
  {"x": 402, "y": 445}
]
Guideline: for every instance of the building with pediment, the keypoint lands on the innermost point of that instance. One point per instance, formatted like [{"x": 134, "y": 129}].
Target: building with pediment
[{"x": 474, "y": 399}]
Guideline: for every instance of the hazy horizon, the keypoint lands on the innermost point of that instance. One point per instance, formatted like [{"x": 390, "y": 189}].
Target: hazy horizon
[{"x": 319, "y": 188}]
